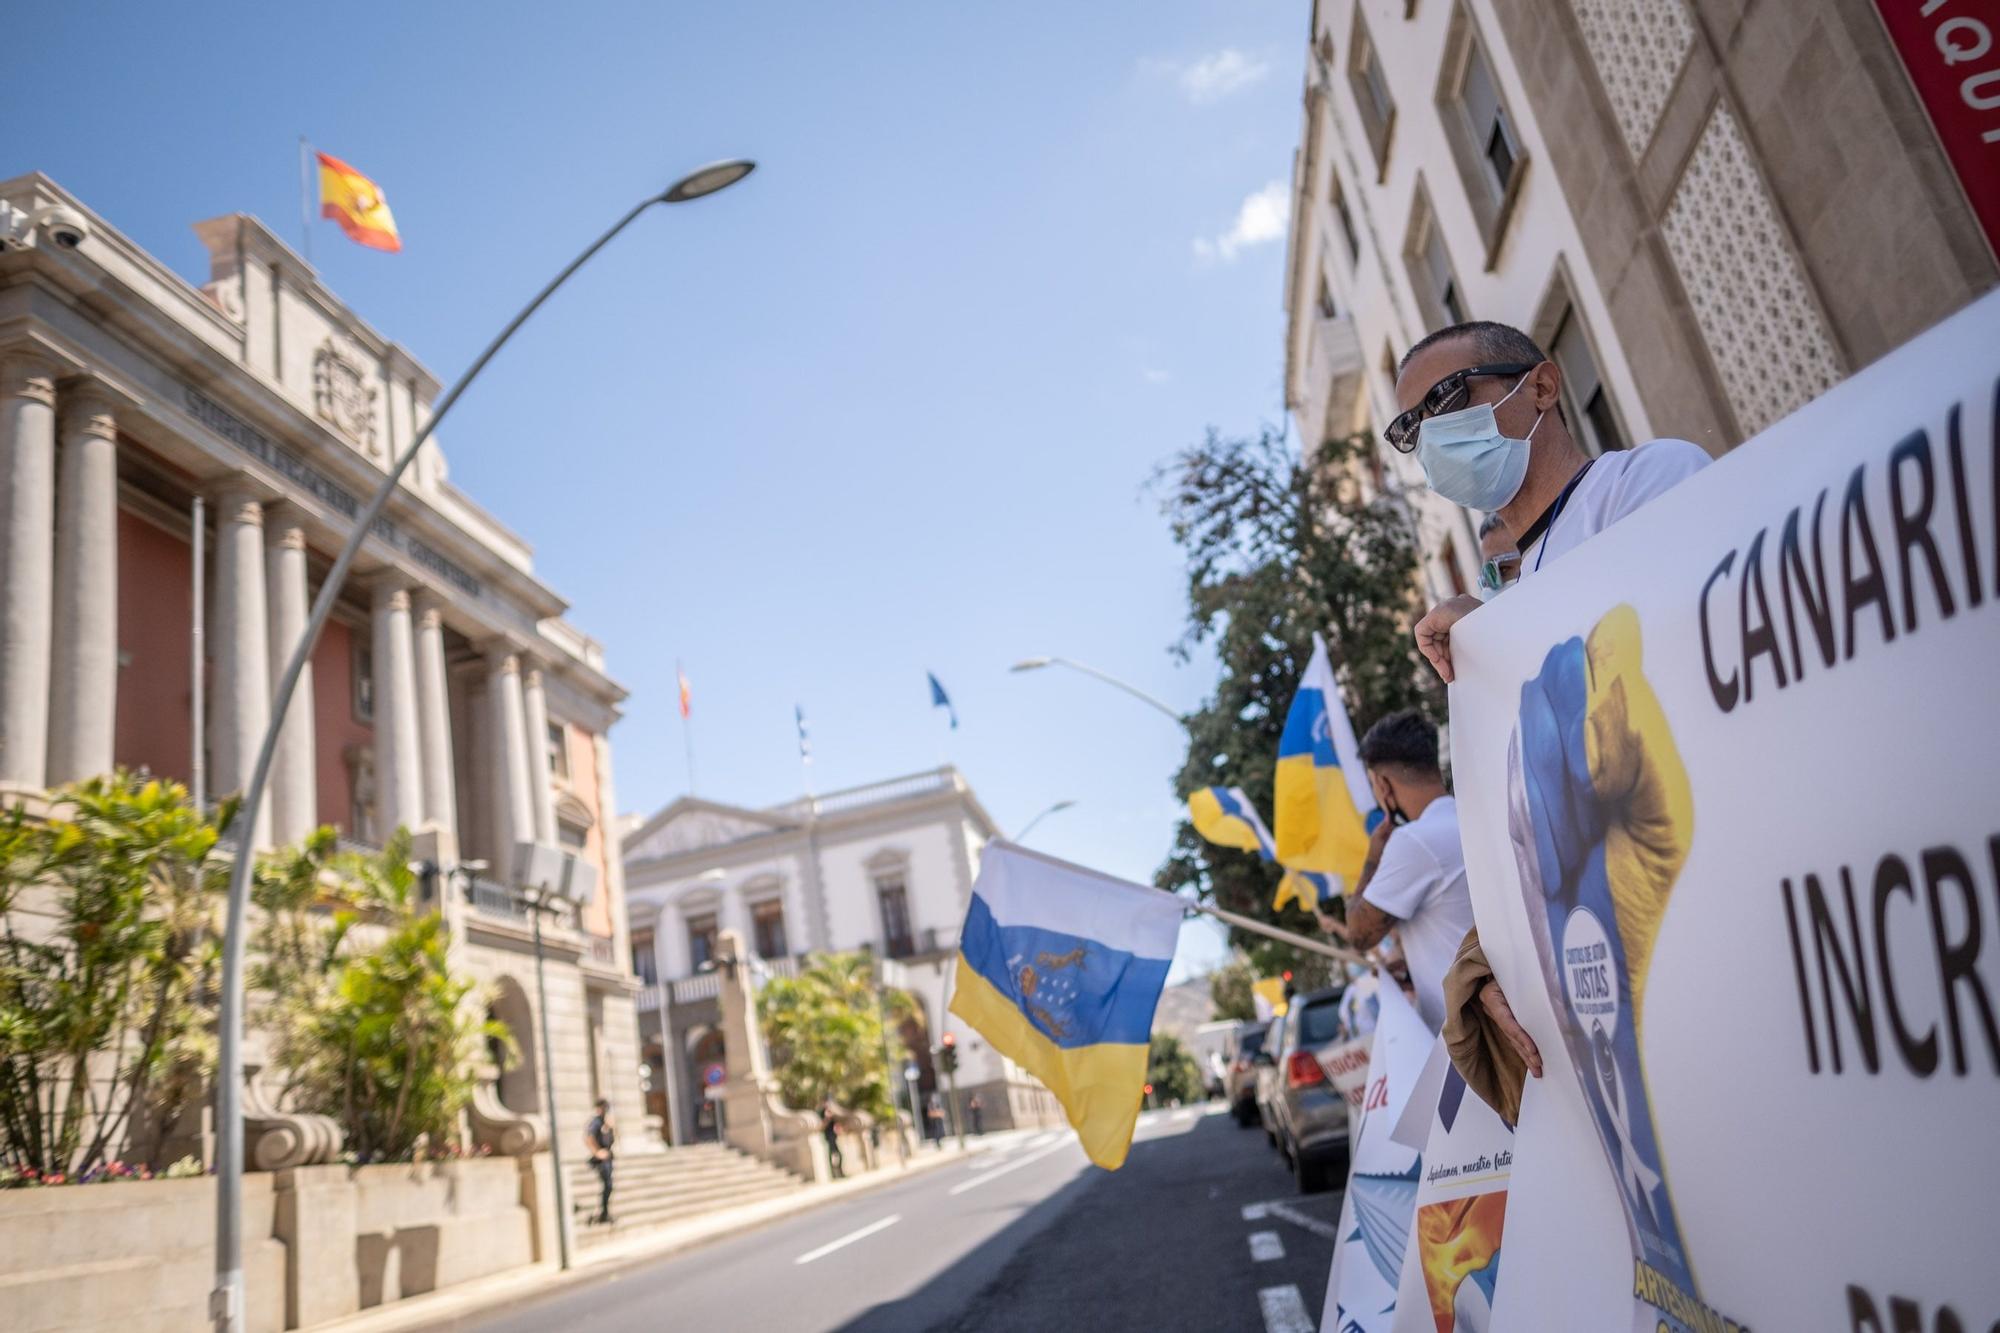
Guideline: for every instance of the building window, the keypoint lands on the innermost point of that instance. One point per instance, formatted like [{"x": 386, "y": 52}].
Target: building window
[
  {"x": 767, "y": 923},
  {"x": 645, "y": 965},
  {"x": 1371, "y": 93},
  {"x": 895, "y": 902},
  {"x": 559, "y": 751},
  {"x": 364, "y": 679},
  {"x": 1327, "y": 308},
  {"x": 1431, "y": 273},
  {"x": 573, "y": 836},
  {"x": 701, "y": 939},
  {"x": 1593, "y": 420},
  {"x": 1337, "y": 196},
  {"x": 1484, "y": 143}
]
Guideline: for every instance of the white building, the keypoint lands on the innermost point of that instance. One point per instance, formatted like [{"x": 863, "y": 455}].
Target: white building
[
  {"x": 1707, "y": 212},
  {"x": 887, "y": 867}
]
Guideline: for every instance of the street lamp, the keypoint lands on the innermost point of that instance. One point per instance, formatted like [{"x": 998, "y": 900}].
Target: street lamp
[
  {"x": 226, "y": 1302},
  {"x": 1037, "y": 663},
  {"x": 1029, "y": 827}
]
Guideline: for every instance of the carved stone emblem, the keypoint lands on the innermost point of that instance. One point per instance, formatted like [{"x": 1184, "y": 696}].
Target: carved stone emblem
[{"x": 344, "y": 395}]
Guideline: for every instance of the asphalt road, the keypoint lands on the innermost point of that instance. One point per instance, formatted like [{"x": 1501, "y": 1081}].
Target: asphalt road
[{"x": 1201, "y": 1229}]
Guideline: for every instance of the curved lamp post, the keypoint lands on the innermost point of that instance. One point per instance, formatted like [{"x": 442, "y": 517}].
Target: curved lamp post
[
  {"x": 1029, "y": 827},
  {"x": 1037, "y": 663},
  {"x": 226, "y": 1302}
]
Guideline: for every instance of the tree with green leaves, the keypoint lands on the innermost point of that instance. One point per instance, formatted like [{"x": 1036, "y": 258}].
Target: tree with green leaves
[
  {"x": 101, "y": 972},
  {"x": 826, "y": 1035},
  {"x": 1279, "y": 545},
  {"x": 1229, "y": 989},
  {"x": 371, "y": 1025},
  {"x": 1172, "y": 1071}
]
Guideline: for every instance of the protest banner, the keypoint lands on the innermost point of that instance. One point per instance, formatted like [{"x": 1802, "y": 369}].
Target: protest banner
[
  {"x": 1451, "y": 1269},
  {"x": 1375, "y": 1215},
  {"x": 1726, "y": 780}
]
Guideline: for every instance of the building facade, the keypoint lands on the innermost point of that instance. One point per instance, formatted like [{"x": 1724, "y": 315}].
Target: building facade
[
  {"x": 887, "y": 867},
  {"x": 1707, "y": 212},
  {"x": 182, "y": 459}
]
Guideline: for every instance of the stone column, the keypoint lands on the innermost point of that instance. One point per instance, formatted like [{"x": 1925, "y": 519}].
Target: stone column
[
  {"x": 513, "y": 812},
  {"x": 240, "y": 686},
  {"x": 27, "y": 547},
  {"x": 541, "y": 776},
  {"x": 294, "y": 775},
  {"x": 434, "y": 718},
  {"x": 399, "y": 782},
  {"x": 83, "y": 699}
]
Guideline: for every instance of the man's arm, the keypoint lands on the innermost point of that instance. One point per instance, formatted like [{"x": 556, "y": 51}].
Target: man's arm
[{"x": 1366, "y": 923}]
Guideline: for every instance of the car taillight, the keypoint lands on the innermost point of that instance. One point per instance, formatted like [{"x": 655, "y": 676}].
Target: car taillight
[{"x": 1302, "y": 1070}]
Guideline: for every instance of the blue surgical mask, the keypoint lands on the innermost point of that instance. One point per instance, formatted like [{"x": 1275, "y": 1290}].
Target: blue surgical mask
[{"x": 1468, "y": 461}]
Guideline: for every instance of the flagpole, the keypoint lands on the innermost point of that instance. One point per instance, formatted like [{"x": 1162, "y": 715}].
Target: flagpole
[
  {"x": 1250, "y": 924},
  {"x": 305, "y": 197}
]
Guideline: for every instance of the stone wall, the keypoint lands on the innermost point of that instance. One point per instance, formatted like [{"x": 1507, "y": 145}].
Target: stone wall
[{"x": 321, "y": 1242}]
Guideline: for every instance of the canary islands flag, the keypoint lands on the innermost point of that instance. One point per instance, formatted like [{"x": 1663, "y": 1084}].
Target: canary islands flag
[
  {"x": 1225, "y": 816},
  {"x": 356, "y": 203},
  {"x": 1060, "y": 968},
  {"x": 1322, "y": 794}
]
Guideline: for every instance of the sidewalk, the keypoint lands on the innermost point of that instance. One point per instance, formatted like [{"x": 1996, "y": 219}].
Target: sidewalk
[{"x": 455, "y": 1307}]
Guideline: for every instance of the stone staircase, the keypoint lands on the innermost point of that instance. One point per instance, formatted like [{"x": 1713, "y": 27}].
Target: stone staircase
[{"x": 671, "y": 1186}]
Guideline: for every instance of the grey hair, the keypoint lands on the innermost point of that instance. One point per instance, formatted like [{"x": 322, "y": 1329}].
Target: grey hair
[{"x": 1493, "y": 342}]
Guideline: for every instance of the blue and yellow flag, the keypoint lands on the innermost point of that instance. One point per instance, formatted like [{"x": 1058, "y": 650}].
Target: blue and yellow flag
[
  {"x": 1322, "y": 794},
  {"x": 1225, "y": 816},
  {"x": 1061, "y": 968}
]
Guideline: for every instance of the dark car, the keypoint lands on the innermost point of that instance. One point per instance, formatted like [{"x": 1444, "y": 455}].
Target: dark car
[
  {"x": 1240, "y": 1083},
  {"x": 1307, "y": 1116}
]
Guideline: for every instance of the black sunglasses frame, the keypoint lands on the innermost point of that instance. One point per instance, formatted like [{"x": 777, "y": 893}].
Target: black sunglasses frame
[{"x": 1447, "y": 395}]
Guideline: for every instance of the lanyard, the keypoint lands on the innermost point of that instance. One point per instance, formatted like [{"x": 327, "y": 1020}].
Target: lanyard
[{"x": 1547, "y": 519}]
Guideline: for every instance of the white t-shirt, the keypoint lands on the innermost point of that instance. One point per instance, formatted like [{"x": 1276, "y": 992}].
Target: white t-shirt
[
  {"x": 1617, "y": 483},
  {"x": 1421, "y": 882}
]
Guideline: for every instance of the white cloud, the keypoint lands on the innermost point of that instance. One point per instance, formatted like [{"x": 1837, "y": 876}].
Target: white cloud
[
  {"x": 1259, "y": 221},
  {"x": 1214, "y": 77}
]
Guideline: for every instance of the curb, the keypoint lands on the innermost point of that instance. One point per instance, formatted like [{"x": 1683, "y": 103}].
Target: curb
[{"x": 454, "y": 1306}]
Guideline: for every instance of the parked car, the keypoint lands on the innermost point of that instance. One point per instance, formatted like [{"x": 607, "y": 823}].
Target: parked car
[
  {"x": 1307, "y": 1117},
  {"x": 1240, "y": 1082},
  {"x": 1267, "y": 1078}
]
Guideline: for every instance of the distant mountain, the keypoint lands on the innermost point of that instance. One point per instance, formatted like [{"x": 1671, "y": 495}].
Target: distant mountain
[{"x": 1183, "y": 1008}]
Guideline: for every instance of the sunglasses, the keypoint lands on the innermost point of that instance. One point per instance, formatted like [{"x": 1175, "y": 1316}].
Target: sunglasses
[
  {"x": 1447, "y": 395},
  {"x": 1497, "y": 573}
]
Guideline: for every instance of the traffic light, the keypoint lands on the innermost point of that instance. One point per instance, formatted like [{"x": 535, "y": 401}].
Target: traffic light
[{"x": 948, "y": 1053}]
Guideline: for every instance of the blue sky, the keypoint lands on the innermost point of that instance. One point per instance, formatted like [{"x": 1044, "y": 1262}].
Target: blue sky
[{"x": 889, "y": 406}]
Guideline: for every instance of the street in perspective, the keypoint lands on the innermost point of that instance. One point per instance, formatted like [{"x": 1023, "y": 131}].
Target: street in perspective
[{"x": 1323, "y": 665}]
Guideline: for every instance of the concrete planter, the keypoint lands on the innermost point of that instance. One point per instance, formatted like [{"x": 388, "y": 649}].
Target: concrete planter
[
  {"x": 134, "y": 1256},
  {"x": 321, "y": 1242}
]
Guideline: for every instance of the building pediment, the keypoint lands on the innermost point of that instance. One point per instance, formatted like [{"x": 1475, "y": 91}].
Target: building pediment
[{"x": 692, "y": 825}]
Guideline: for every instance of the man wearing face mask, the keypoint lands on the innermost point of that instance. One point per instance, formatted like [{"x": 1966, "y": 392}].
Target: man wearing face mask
[
  {"x": 1481, "y": 408},
  {"x": 1414, "y": 878},
  {"x": 1480, "y": 405}
]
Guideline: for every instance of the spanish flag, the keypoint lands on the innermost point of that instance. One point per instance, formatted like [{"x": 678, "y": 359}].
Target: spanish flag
[{"x": 352, "y": 200}]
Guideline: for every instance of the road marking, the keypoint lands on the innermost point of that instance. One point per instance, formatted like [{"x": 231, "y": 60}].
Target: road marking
[
  {"x": 1014, "y": 1165},
  {"x": 1284, "y": 1310},
  {"x": 1265, "y": 1246},
  {"x": 1306, "y": 1220},
  {"x": 849, "y": 1239},
  {"x": 1256, "y": 1212}
]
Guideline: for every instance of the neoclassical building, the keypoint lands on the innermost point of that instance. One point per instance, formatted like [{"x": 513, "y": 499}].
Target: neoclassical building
[
  {"x": 179, "y": 462},
  {"x": 886, "y": 867}
]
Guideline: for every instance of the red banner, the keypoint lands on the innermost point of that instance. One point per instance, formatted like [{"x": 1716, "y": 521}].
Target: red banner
[{"x": 1951, "y": 49}]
